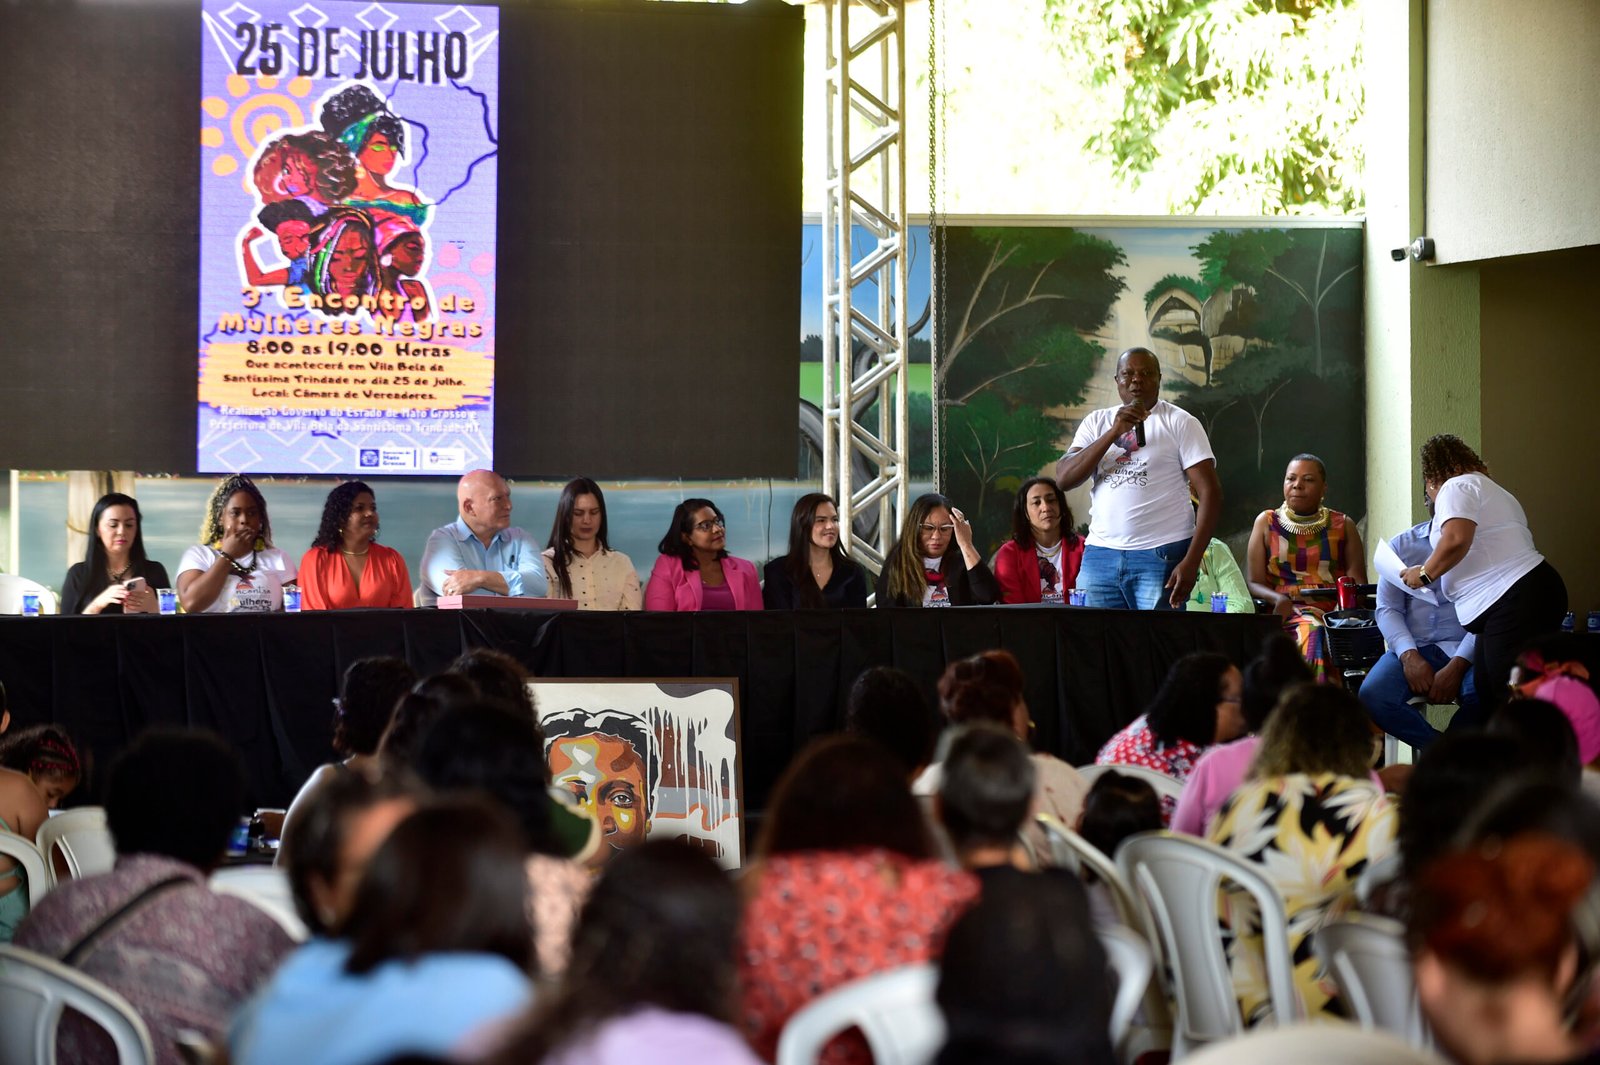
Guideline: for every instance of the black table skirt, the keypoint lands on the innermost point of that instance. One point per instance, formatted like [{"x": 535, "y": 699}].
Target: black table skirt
[{"x": 266, "y": 681}]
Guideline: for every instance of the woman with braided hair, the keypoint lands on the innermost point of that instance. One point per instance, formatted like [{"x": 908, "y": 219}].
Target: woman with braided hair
[
  {"x": 234, "y": 567},
  {"x": 39, "y": 767}
]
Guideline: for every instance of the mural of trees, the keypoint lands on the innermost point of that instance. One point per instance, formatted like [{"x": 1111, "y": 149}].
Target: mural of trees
[
  {"x": 1297, "y": 384},
  {"x": 1022, "y": 305}
]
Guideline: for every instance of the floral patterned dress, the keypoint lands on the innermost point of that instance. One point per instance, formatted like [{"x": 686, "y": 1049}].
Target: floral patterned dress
[
  {"x": 1137, "y": 745},
  {"x": 1312, "y": 837},
  {"x": 819, "y": 919}
]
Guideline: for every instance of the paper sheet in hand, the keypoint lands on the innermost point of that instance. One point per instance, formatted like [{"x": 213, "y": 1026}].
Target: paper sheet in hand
[{"x": 1388, "y": 565}]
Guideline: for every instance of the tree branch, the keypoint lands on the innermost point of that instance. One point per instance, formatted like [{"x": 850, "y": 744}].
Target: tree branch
[
  {"x": 964, "y": 336},
  {"x": 1031, "y": 364}
]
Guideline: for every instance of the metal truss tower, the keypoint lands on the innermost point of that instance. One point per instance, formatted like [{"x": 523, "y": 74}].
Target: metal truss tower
[{"x": 865, "y": 251}]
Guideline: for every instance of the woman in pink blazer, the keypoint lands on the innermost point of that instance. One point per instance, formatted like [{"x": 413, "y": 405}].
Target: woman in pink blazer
[{"x": 695, "y": 571}]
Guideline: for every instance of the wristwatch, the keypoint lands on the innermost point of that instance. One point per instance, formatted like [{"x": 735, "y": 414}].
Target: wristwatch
[{"x": 1422, "y": 575}]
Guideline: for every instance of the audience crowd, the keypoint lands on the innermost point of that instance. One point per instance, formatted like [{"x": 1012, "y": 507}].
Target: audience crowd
[
  {"x": 456, "y": 900},
  {"x": 452, "y": 907}
]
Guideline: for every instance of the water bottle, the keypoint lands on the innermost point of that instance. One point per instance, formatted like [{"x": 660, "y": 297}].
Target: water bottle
[
  {"x": 168, "y": 600},
  {"x": 239, "y": 838},
  {"x": 1569, "y": 622},
  {"x": 291, "y": 599},
  {"x": 30, "y": 604},
  {"x": 1219, "y": 603},
  {"x": 1593, "y": 628}
]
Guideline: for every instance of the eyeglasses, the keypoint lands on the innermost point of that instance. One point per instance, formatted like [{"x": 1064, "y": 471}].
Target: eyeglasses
[
  {"x": 931, "y": 529},
  {"x": 1139, "y": 375},
  {"x": 711, "y": 523}
]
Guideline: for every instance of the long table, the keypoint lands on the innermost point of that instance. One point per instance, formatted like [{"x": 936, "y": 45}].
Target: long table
[{"x": 265, "y": 682}]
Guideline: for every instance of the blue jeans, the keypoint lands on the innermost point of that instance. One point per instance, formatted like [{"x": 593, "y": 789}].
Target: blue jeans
[
  {"x": 1385, "y": 691},
  {"x": 1129, "y": 580}
]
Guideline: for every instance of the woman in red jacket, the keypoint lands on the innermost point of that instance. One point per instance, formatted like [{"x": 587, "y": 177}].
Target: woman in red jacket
[{"x": 1039, "y": 564}]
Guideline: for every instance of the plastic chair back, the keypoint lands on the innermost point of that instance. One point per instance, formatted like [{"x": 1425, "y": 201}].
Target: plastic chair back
[
  {"x": 35, "y": 990},
  {"x": 895, "y": 1010},
  {"x": 12, "y": 589},
  {"x": 1315, "y": 1044},
  {"x": 1177, "y": 880},
  {"x": 1376, "y": 875},
  {"x": 1130, "y": 958},
  {"x": 265, "y": 887},
  {"x": 1367, "y": 959},
  {"x": 21, "y": 850},
  {"x": 1071, "y": 851},
  {"x": 1165, "y": 787},
  {"x": 83, "y": 839}
]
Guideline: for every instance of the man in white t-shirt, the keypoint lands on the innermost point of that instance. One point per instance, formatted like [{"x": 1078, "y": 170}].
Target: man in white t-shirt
[{"x": 1145, "y": 457}]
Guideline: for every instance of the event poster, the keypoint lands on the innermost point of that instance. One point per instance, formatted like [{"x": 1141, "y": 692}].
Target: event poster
[{"x": 347, "y": 249}]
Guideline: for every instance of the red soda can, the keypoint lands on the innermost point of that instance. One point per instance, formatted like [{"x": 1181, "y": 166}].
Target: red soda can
[{"x": 1347, "y": 593}]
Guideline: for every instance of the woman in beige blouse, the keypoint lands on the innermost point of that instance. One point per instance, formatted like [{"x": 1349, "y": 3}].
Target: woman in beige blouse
[{"x": 580, "y": 563}]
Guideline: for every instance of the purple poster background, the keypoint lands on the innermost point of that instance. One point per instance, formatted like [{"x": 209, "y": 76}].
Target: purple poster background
[{"x": 347, "y": 250}]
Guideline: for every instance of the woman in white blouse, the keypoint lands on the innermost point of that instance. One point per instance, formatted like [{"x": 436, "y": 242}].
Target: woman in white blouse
[
  {"x": 234, "y": 567},
  {"x": 1503, "y": 589},
  {"x": 580, "y": 562}
]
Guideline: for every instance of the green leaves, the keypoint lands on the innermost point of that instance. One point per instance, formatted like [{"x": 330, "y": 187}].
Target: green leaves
[{"x": 1258, "y": 99}]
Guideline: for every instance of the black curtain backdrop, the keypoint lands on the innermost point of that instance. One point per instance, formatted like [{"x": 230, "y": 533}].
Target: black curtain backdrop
[
  {"x": 649, "y": 237},
  {"x": 266, "y": 682}
]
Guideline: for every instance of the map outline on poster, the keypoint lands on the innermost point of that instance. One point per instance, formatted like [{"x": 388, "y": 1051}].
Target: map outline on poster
[{"x": 347, "y": 260}]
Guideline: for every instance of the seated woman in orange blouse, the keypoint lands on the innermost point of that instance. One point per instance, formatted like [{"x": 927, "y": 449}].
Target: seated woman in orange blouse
[{"x": 346, "y": 566}]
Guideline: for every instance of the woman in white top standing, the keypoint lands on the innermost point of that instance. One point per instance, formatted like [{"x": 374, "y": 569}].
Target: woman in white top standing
[
  {"x": 234, "y": 568},
  {"x": 1503, "y": 589},
  {"x": 579, "y": 558}
]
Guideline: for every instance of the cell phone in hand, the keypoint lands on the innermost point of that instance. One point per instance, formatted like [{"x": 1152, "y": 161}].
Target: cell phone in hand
[{"x": 134, "y": 584}]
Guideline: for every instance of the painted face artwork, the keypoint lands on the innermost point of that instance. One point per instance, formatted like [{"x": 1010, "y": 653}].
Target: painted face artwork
[
  {"x": 293, "y": 238},
  {"x": 379, "y": 155},
  {"x": 406, "y": 254},
  {"x": 348, "y": 268},
  {"x": 606, "y": 776}
]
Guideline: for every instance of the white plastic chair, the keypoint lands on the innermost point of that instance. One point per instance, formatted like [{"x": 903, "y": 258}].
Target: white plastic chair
[
  {"x": 1165, "y": 786},
  {"x": 12, "y": 589},
  {"x": 1130, "y": 958},
  {"x": 1376, "y": 875},
  {"x": 895, "y": 1010},
  {"x": 1367, "y": 959},
  {"x": 265, "y": 887},
  {"x": 1314, "y": 1044},
  {"x": 1177, "y": 880},
  {"x": 1071, "y": 851},
  {"x": 83, "y": 839},
  {"x": 25, "y": 854},
  {"x": 35, "y": 990}
]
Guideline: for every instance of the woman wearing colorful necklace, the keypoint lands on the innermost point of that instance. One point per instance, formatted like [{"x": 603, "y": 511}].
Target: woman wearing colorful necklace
[
  {"x": 234, "y": 567},
  {"x": 346, "y": 566},
  {"x": 1039, "y": 564},
  {"x": 1300, "y": 546}
]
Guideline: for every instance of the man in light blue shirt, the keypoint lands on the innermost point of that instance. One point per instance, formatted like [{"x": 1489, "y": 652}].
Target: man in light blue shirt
[
  {"x": 1429, "y": 657},
  {"x": 481, "y": 553}
]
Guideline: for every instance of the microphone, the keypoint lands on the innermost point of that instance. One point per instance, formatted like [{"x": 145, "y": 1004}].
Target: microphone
[{"x": 1138, "y": 433}]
